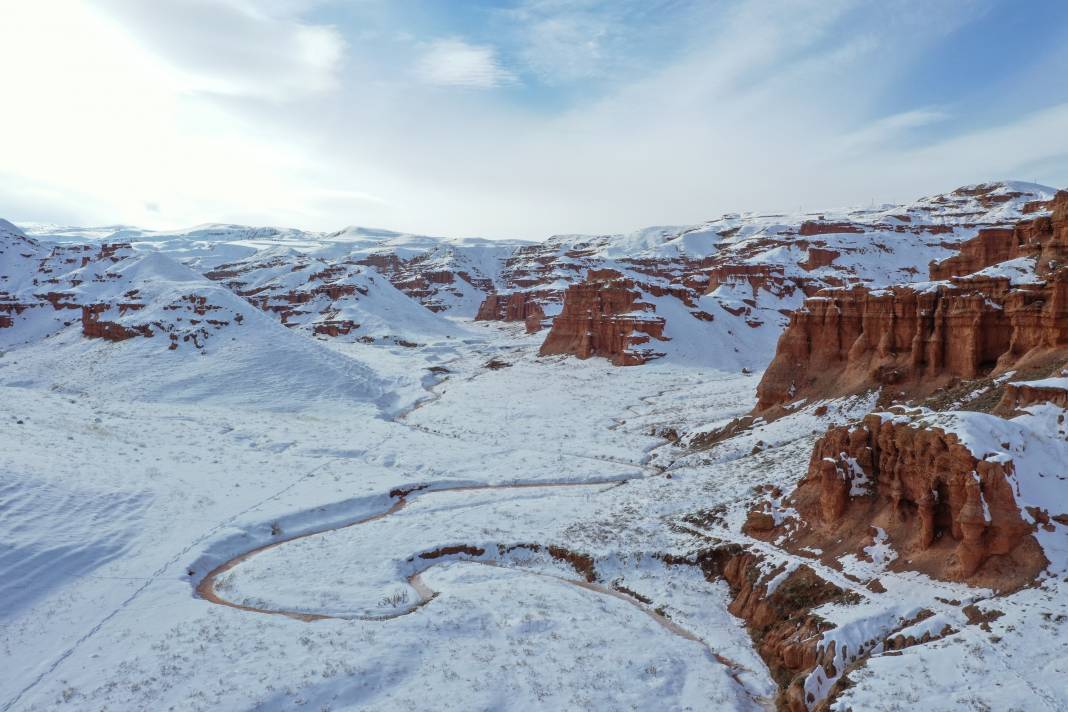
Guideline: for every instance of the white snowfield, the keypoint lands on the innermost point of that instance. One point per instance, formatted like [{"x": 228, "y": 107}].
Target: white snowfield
[{"x": 259, "y": 466}]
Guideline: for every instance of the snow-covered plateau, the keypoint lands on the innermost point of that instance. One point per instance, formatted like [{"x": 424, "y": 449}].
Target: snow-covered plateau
[{"x": 266, "y": 469}]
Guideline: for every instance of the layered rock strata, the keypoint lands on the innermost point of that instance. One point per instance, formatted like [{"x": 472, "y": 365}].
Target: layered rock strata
[
  {"x": 517, "y": 306},
  {"x": 916, "y": 338},
  {"x": 948, "y": 513},
  {"x": 604, "y": 316}
]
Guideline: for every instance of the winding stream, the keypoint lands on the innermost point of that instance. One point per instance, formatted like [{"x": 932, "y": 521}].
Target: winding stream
[{"x": 206, "y": 589}]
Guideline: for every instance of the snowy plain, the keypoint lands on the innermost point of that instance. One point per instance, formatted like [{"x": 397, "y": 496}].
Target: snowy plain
[
  {"x": 116, "y": 503},
  {"x": 115, "y": 506}
]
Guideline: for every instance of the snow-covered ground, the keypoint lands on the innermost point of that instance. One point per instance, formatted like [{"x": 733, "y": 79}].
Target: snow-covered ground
[
  {"x": 429, "y": 516},
  {"x": 113, "y": 510},
  {"x": 115, "y": 504}
]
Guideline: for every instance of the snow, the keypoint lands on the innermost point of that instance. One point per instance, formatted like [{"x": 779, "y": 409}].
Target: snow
[
  {"x": 250, "y": 360},
  {"x": 131, "y": 471},
  {"x": 1018, "y": 271},
  {"x": 1056, "y": 382},
  {"x": 118, "y": 624}
]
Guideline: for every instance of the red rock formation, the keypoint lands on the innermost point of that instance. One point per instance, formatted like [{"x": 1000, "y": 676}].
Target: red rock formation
[
  {"x": 517, "y": 306},
  {"x": 945, "y": 511},
  {"x": 1045, "y": 238},
  {"x": 335, "y": 291},
  {"x": 845, "y": 341},
  {"x": 784, "y": 630},
  {"x": 94, "y": 328},
  {"x": 1020, "y": 395},
  {"x": 818, "y": 227},
  {"x": 602, "y": 317},
  {"x": 59, "y": 300},
  {"x": 111, "y": 250},
  {"x": 819, "y": 257},
  {"x": 768, "y": 277},
  {"x": 335, "y": 327},
  {"x": 10, "y": 308},
  {"x": 989, "y": 247}
]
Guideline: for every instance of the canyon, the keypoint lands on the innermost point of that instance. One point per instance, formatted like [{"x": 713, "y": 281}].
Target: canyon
[{"x": 781, "y": 459}]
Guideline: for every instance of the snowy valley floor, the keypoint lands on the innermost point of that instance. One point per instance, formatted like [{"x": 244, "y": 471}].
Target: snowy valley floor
[{"x": 113, "y": 510}]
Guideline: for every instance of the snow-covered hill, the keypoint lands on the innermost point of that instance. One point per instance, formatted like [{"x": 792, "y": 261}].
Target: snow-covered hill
[
  {"x": 149, "y": 327},
  {"x": 721, "y": 289},
  {"x": 444, "y": 274}
]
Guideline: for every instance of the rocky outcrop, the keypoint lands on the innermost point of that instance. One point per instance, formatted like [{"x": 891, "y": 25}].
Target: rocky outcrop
[
  {"x": 10, "y": 309},
  {"x": 604, "y": 316},
  {"x": 950, "y": 514},
  {"x": 769, "y": 278},
  {"x": 989, "y": 247},
  {"x": 517, "y": 306},
  {"x": 819, "y": 227},
  {"x": 785, "y": 632},
  {"x": 1018, "y": 396},
  {"x": 95, "y": 328},
  {"x": 335, "y": 327},
  {"x": 845, "y": 341},
  {"x": 819, "y": 257},
  {"x": 1044, "y": 238}
]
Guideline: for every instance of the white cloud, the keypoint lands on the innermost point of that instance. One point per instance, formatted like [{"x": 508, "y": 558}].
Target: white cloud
[
  {"x": 890, "y": 128},
  {"x": 108, "y": 127},
  {"x": 234, "y": 47},
  {"x": 778, "y": 104},
  {"x": 564, "y": 44},
  {"x": 453, "y": 62}
]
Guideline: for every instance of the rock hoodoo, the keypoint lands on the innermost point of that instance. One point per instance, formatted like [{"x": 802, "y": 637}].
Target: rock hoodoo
[{"x": 943, "y": 508}]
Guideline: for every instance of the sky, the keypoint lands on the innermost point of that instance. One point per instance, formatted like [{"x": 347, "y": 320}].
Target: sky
[{"x": 517, "y": 118}]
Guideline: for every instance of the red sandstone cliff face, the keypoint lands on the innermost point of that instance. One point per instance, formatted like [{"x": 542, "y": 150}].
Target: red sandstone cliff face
[
  {"x": 1044, "y": 238},
  {"x": 946, "y": 512},
  {"x": 815, "y": 227},
  {"x": 845, "y": 341},
  {"x": 518, "y": 306},
  {"x": 604, "y": 316},
  {"x": 989, "y": 247}
]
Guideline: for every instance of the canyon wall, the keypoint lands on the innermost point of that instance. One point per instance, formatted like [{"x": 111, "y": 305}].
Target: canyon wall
[
  {"x": 918, "y": 338},
  {"x": 1044, "y": 238}
]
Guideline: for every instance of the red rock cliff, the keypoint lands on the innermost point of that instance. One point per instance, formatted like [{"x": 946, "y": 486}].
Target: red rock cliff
[
  {"x": 603, "y": 316},
  {"x": 945, "y": 511},
  {"x": 845, "y": 341},
  {"x": 1044, "y": 238},
  {"x": 518, "y": 306}
]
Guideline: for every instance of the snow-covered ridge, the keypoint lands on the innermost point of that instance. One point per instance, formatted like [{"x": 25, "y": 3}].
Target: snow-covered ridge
[
  {"x": 182, "y": 336},
  {"x": 731, "y": 279}
]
